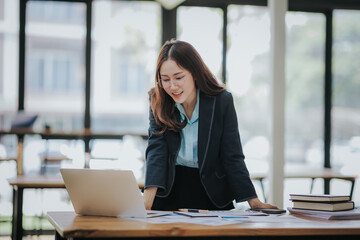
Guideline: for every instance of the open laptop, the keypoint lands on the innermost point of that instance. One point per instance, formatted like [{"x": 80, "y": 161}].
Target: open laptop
[{"x": 104, "y": 192}]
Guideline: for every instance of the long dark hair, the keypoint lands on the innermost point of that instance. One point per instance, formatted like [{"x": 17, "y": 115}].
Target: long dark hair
[{"x": 186, "y": 56}]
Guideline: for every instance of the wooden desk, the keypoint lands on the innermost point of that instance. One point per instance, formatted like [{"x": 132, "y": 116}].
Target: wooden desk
[
  {"x": 86, "y": 135},
  {"x": 327, "y": 174},
  {"x": 20, "y": 183},
  {"x": 305, "y": 171},
  {"x": 69, "y": 225}
]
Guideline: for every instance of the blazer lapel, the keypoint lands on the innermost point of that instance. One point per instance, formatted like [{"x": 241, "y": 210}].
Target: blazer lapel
[{"x": 206, "y": 116}]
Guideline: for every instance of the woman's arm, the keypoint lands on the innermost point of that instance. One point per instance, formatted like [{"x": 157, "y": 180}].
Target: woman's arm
[
  {"x": 156, "y": 157},
  {"x": 149, "y": 195},
  {"x": 256, "y": 203}
]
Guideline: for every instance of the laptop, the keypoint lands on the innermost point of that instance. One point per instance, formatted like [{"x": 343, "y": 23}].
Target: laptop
[{"x": 113, "y": 193}]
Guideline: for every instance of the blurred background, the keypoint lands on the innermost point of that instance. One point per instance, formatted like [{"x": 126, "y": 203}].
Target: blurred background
[{"x": 233, "y": 37}]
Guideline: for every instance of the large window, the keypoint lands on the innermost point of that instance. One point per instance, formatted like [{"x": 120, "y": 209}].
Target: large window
[
  {"x": 203, "y": 27},
  {"x": 1, "y": 66},
  {"x": 304, "y": 100},
  {"x": 55, "y": 63},
  {"x": 128, "y": 75},
  {"x": 126, "y": 41},
  {"x": 9, "y": 26},
  {"x": 304, "y": 110},
  {"x": 345, "y": 145},
  {"x": 1, "y": 9},
  {"x": 248, "y": 79},
  {"x": 55, "y": 69},
  {"x": 56, "y": 13}
]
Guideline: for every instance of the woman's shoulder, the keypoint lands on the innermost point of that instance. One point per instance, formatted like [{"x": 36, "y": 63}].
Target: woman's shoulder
[
  {"x": 223, "y": 99},
  {"x": 224, "y": 96}
]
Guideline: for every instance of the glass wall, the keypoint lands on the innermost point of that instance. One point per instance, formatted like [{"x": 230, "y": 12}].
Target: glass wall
[
  {"x": 2, "y": 9},
  {"x": 304, "y": 100},
  {"x": 1, "y": 65},
  {"x": 304, "y": 110},
  {"x": 248, "y": 79},
  {"x": 345, "y": 145},
  {"x": 126, "y": 41},
  {"x": 202, "y": 27},
  {"x": 9, "y": 25},
  {"x": 55, "y": 63}
]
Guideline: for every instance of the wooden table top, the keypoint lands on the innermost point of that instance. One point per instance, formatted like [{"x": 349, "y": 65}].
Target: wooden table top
[
  {"x": 50, "y": 134},
  {"x": 45, "y": 181},
  {"x": 37, "y": 181},
  {"x": 68, "y": 225},
  {"x": 306, "y": 171}
]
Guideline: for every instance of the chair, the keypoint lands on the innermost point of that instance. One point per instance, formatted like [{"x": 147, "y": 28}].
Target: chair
[{"x": 49, "y": 157}]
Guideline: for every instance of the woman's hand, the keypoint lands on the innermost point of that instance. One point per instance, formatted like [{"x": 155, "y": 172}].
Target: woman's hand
[
  {"x": 257, "y": 204},
  {"x": 149, "y": 196}
]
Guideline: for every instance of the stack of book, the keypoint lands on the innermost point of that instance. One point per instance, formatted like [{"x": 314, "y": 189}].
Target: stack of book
[
  {"x": 321, "y": 202},
  {"x": 336, "y": 215}
]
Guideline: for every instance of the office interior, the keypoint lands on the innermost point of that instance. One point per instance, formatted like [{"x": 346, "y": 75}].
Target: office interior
[{"x": 88, "y": 64}]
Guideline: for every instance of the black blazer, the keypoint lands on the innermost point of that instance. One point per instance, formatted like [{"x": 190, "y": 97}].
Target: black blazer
[{"x": 221, "y": 160}]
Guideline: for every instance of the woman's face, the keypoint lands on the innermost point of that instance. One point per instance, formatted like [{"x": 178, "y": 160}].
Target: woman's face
[{"x": 177, "y": 82}]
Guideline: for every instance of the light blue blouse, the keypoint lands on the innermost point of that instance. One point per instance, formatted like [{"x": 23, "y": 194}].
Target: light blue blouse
[{"x": 188, "y": 154}]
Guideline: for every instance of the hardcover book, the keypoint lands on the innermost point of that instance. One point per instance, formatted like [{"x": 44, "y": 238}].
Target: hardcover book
[
  {"x": 324, "y": 206},
  {"x": 319, "y": 198}
]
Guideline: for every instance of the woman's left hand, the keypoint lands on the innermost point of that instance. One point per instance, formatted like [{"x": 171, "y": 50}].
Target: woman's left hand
[{"x": 257, "y": 204}]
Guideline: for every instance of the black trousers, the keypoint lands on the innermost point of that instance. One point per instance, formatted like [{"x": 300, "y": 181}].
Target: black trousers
[{"x": 187, "y": 192}]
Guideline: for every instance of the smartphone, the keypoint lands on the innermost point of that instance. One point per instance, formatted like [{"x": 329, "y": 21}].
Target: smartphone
[{"x": 269, "y": 210}]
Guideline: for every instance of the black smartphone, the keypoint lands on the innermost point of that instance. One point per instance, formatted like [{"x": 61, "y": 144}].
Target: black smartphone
[{"x": 269, "y": 210}]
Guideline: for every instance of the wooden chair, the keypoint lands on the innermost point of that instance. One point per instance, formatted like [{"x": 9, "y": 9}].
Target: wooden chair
[{"x": 50, "y": 158}]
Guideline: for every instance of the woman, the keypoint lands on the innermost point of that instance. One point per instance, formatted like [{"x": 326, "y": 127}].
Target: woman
[{"x": 194, "y": 157}]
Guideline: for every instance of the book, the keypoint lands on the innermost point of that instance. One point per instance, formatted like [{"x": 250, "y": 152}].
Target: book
[
  {"x": 324, "y": 206},
  {"x": 319, "y": 198},
  {"x": 340, "y": 215}
]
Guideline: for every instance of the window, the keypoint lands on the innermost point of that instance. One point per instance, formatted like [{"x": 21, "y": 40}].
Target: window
[
  {"x": 9, "y": 40},
  {"x": 55, "y": 63},
  {"x": 248, "y": 78},
  {"x": 204, "y": 33},
  {"x": 129, "y": 75},
  {"x": 345, "y": 145},
  {"x": 1, "y": 66},
  {"x": 55, "y": 70},
  {"x": 126, "y": 42},
  {"x": 2, "y": 9},
  {"x": 56, "y": 12},
  {"x": 305, "y": 74}
]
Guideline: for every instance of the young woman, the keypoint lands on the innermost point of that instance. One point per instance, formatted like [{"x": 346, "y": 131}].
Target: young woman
[{"x": 194, "y": 157}]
